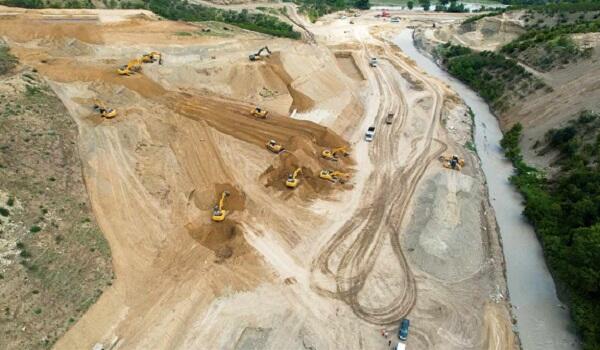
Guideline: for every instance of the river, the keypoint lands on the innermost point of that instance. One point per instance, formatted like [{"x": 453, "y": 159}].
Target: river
[{"x": 542, "y": 323}]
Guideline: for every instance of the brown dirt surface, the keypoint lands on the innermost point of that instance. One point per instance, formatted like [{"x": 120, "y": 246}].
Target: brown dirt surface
[{"x": 322, "y": 266}]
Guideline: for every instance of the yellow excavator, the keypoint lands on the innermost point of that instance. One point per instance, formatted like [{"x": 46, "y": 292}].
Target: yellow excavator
[
  {"x": 219, "y": 211},
  {"x": 292, "y": 179},
  {"x": 274, "y": 147},
  {"x": 259, "y": 113},
  {"x": 452, "y": 162},
  {"x": 152, "y": 57},
  {"x": 133, "y": 66},
  {"x": 258, "y": 56},
  {"x": 330, "y": 154},
  {"x": 104, "y": 111},
  {"x": 334, "y": 176}
]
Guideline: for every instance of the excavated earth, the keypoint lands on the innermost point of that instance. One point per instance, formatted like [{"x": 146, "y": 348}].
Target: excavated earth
[{"x": 323, "y": 266}]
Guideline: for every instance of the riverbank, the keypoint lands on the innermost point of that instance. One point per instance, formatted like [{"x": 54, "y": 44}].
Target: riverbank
[{"x": 541, "y": 320}]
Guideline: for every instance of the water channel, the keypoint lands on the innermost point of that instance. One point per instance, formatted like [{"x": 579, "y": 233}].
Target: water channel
[{"x": 543, "y": 323}]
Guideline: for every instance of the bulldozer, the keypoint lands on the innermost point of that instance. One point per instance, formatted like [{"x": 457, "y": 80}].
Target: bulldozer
[
  {"x": 259, "y": 113},
  {"x": 330, "y": 154},
  {"x": 219, "y": 211},
  {"x": 132, "y": 67},
  {"x": 292, "y": 179},
  {"x": 334, "y": 176},
  {"x": 452, "y": 162},
  {"x": 104, "y": 111},
  {"x": 274, "y": 147},
  {"x": 152, "y": 57},
  {"x": 258, "y": 56}
]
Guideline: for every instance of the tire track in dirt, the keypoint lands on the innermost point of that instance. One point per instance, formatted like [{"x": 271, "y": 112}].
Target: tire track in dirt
[{"x": 381, "y": 220}]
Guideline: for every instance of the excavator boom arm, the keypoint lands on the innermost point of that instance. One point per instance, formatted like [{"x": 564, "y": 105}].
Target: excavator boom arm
[
  {"x": 298, "y": 171},
  {"x": 222, "y": 201}
]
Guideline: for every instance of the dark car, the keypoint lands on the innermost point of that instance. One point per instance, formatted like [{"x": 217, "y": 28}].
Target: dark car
[
  {"x": 403, "y": 331},
  {"x": 389, "y": 118}
]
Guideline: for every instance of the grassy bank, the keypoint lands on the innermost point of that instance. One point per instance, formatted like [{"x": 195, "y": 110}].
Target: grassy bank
[
  {"x": 547, "y": 48},
  {"x": 565, "y": 211},
  {"x": 491, "y": 75},
  {"x": 258, "y": 22},
  {"x": 315, "y": 9},
  {"x": 182, "y": 10},
  {"x": 55, "y": 260}
]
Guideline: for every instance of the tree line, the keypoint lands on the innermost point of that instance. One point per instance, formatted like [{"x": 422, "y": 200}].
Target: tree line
[{"x": 565, "y": 211}]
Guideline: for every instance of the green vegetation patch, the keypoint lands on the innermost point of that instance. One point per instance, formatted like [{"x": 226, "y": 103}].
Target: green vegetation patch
[
  {"x": 181, "y": 10},
  {"x": 496, "y": 78},
  {"x": 549, "y": 47},
  {"x": 476, "y": 18},
  {"x": 565, "y": 212},
  {"x": 315, "y": 9},
  {"x": 62, "y": 261},
  {"x": 7, "y": 60},
  {"x": 259, "y": 22}
]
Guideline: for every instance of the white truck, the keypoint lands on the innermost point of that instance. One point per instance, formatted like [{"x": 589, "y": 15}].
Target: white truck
[{"x": 370, "y": 134}]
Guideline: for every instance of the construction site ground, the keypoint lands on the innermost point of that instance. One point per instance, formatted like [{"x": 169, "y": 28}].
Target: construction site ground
[{"x": 323, "y": 266}]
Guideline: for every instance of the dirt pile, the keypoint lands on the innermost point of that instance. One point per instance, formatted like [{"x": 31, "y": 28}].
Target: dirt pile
[{"x": 225, "y": 238}]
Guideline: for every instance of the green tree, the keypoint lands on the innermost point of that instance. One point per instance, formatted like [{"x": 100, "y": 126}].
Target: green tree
[
  {"x": 426, "y": 4},
  {"x": 362, "y": 4},
  {"x": 410, "y": 5}
]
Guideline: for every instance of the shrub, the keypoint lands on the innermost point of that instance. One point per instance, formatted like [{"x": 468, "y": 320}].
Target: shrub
[
  {"x": 4, "y": 211},
  {"x": 7, "y": 60},
  {"x": 565, "y": 212},
  {"x": 35, "y": 229}
]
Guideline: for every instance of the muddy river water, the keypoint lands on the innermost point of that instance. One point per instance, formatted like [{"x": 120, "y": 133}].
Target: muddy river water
[{"x": 543, "y": 323}]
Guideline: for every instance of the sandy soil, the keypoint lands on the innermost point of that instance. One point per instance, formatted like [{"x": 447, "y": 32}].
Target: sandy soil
[{"x": 322, "y": 266}]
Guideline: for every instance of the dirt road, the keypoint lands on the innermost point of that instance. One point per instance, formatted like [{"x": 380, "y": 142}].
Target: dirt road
[{"x": 323, "y": 266}]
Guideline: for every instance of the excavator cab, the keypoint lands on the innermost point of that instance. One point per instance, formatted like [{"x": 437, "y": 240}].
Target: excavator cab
[
  {"x": 104, "y": 111},
  {"x": 259, "y": 113},
  {"x": 453, "y": 162},
  {"x": 219, "y": 211},
  {"x": 152, "y": 57},
  {"x": 133, "y": 66},
  {"x": 331, "y": 154},
  {"x": 333, "y": 176},
  {"x": 292, "y": 179},
  {"x": 258, "y": 56},
  {"x": 274, "y": 147}
]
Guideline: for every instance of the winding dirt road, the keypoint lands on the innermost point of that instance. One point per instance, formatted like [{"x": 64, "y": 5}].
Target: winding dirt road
[{"x": 357, "y": 244}]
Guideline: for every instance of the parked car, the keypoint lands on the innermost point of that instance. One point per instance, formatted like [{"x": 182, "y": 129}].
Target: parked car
[
  {"x": 403, "y": 331},
  {"x": 373, "y": 62},
  {"x": 370, "y": 134},
  {"x": 389, "y": 118}
]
